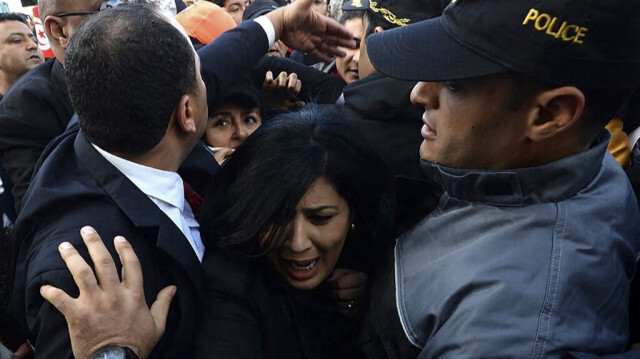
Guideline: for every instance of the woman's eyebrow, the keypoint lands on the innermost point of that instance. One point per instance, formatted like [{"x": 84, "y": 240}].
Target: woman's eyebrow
[{"x": 319, "y": 208}]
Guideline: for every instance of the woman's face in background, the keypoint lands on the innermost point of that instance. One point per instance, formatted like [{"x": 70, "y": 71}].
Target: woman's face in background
[
  {"x": 230, "y": 125},
  {"x": 313, "y": 240}
]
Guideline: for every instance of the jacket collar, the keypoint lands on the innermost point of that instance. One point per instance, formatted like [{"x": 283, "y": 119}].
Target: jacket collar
[
  {"x": 552, "y": 182},
  {"x": 139, "y": 208}
]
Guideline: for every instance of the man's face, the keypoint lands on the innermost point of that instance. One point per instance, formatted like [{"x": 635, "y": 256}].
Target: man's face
[
  {"x": 236, "y": 8},
  {"x": 365, "y": 68},
  {"x": 348, "y": 65},
  {"x": 19, "y": 50},
  {"x": 469, "y": 124}
]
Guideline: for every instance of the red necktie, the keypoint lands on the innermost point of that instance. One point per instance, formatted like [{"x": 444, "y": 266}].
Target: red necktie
[{"x": 194, "y": 200}]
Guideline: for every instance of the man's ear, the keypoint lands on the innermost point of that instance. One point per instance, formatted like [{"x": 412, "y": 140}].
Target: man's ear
[
  {"x": 184, "y": 114},
  {"x": 378, "y": 30},
  {"x": 54, "y": 27},
  {"x": 555, "y": 110}
]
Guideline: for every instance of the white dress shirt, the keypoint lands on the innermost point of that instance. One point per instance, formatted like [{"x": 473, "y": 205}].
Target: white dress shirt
[{"x": 166, "y": 190}]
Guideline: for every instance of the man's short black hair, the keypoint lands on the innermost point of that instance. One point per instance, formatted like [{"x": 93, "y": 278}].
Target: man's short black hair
[
  {"x": 127, "y": 69},
  {"x": 14, "y": 16}
]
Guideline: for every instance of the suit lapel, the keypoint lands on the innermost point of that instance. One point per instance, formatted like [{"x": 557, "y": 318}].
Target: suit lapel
[{"x": 142, "y": 212}]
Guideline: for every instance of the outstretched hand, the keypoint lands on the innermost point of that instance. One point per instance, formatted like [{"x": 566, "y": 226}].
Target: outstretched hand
[
  {"x": 108, "y": 311},
  {"x": 303, "y": 29},
  {"x": 281, "y": 93}
]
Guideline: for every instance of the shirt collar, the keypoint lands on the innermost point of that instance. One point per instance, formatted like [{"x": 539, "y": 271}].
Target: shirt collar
[{"x": 162, "y": 185}]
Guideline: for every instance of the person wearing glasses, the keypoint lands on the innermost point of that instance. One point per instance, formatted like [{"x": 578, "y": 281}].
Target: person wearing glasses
[{"x": 37, "y": 107}]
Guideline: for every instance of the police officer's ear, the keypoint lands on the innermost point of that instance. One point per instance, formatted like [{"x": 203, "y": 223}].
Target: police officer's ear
[{"x": 554, "y": 111}]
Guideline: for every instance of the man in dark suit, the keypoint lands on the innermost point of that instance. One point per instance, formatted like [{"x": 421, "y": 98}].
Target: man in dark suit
[
  {"x": 134, "y": 134},
  {"x": 37, "y": 107},
  {"x": 142, "y": 107}
]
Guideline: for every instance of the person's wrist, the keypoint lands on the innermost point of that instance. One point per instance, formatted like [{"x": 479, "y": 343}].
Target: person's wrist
[{"x": 114, "y": 352}]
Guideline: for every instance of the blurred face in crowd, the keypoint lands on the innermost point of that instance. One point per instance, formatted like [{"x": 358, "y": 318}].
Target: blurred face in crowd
[
  {"x": 365, "y": 68},
  {"x": 461, "y": 131},
  {"x": 348, "y": 66},
  {"x": 236, "y": 8},
  {"x": 278, "y": 49},
  {"x": 313, "y": 240},
  {"x": 19, "y": 50},
  {"x": 231, "y": 124}
]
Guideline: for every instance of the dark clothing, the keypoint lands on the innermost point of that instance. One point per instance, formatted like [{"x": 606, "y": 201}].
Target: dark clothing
[
  {"x": 380, "y": 108},
  {"x": 8, "y": 204},
  {"x": 251, "y": 312},
  {"x": 84, "y": 188},
  {"x": 76, "y": 186},
  {"x": 34, "y": 111}
]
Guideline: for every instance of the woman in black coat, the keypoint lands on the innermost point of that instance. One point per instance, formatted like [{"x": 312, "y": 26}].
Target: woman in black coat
[{"x": 292, "y": 224}]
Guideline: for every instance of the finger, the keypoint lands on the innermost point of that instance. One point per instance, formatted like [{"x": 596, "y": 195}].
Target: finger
[
  {"x": 338, "y": 35},
  {"x": 297, "y": 87},
  {"x": 23, "y": 352},
  {"x": 160, "y": 308},
  {"x": 80, "y": 271},
  {"x": 105, "y": 268},
  {"x": 223, "y": 154},
  {"x": 282, "y": 80},
  {"x": 131, "y": 269},
  {"x": 298, "y": 105},
  {"x": 351, "y": 280},
  {"x": 337, "y": 273},
  {"x": 291, "y": 82},
  {"x": 345, "y": 295},
  {"x": 268, "y": 79},
  {"x": 56, "y": 296}
]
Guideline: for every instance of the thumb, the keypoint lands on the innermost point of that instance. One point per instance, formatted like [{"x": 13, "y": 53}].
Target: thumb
[
  {"x": 57, "y": 297},
  {"x": 160, "y": 308}
]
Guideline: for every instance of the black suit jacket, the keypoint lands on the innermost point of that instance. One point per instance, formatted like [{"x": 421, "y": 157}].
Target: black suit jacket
[
  {"x": 34, "y": 111},
  {"x": 76, "y": 186}
]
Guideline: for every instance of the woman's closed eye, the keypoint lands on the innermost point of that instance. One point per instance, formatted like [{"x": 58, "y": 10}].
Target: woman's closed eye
[{"x": 318, "y": 218}]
